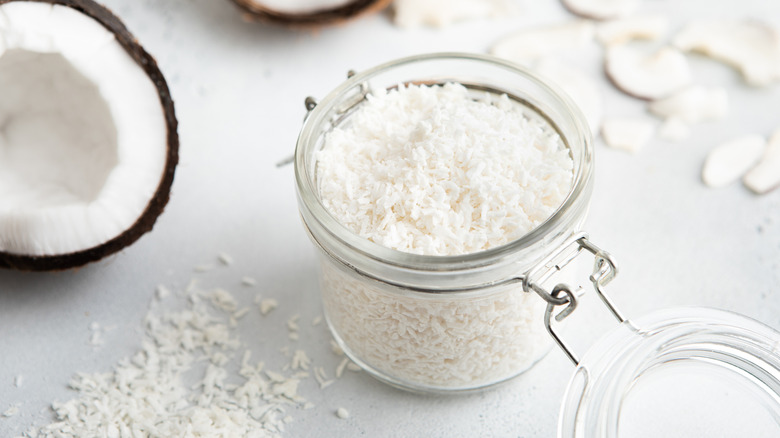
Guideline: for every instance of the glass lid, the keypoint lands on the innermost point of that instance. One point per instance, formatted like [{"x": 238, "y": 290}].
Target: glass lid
[{"x": 690, "y": 372}]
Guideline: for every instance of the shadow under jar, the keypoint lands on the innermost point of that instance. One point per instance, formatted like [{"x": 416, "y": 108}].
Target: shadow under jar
[{"x": 441, "y": 323}]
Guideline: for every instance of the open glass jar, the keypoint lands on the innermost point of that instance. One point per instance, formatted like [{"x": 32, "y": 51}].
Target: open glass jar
[
  {"x": 454, "y": 323},
  {"x": 439, "y": 323}
]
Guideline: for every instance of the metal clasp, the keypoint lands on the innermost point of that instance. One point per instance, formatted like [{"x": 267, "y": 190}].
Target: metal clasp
[{"x": 604, "y": 271}]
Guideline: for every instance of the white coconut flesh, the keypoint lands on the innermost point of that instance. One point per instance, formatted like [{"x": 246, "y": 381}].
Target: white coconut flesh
[
  {"x": 82, "y": 132},
  {"x": 300, "y": 6}
]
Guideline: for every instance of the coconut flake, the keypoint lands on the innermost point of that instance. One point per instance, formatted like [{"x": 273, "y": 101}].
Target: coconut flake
[
  {"x": 342, "y": 413},
  {"x": 750, "y": 46},
  {"x": 248, "y": 281},
  {"x": 647, "y": 76},
  {"x": 765, "y": 176},
  {"x": 580, "y": 87},
  {"x": 440, "y": 13},
  {"x": 267, "y": 305},
  {"x": 615, "y": 32},
  {"x": 693, "y": 105},
  {"x": 729, "y": 161},
  {"x": 600, "y": 9},
  {"x": 630, "y": 134},
  {"x": 535, "y": 42}
]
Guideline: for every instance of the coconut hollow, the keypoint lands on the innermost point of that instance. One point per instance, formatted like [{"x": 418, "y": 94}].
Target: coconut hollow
[
  {"x": 108, "y": 90},
  {"x": 312, "y": 15}
]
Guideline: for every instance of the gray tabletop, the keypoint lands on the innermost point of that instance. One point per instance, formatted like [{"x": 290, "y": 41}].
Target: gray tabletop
[{"x": 239, "y": 89}]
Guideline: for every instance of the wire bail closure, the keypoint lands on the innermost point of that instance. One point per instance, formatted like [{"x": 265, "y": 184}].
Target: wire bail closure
[{"x": 604, "y": 271}]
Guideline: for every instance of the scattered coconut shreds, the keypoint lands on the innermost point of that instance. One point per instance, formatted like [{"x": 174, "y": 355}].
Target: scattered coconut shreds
[
  {"x": 11, "y": 411},
  {"x": 336, "y": 348},
  {"x": 322, "y": 378},
  {"x": 223, "y": 300},
  {"x": 674, "y": 130},
  {"x": 292, "y": 323},
  {"x": 581, "y": 88},
  {"x": 729, "y": 161},
  {"x": 341, "y": 367},
  {"x": 225, "y": 259},
  {"x": 267, "y": 305},
  {"x": 342, "y": 413},
  {"x": 440, "y": 13},
  {"x": 162, "y": 292},
  {"x": 19, "y": 381},
  {"x": 248, "y": 281},
  {"x": 765, "y": 176},
  {"x": 750, "y": 46},
  {"x": 241, "y": 313},
  {"x": 300, "y": 361},
  {"x": 647, "y": 76},
  {"x": 600, "y": 9},
  {"x": 316, "y": 321},
  {"x": 532, "y": 43},
  {"x": 627, "y": 133},
  {"x": 354, "y": 367},
  {"x": 203, "y": 268},
  {"x": 144, "y": 394},
  {"x": 615, "y": 32},
  {"x": 692, "y": 105}
]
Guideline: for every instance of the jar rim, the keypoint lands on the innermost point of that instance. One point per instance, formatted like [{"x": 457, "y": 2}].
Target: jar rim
[{"x": 307, "y": 191}]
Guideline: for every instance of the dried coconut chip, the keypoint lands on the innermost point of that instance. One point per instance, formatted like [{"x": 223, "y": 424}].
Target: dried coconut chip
[
  {"x": 627, "y": 133},
  {"x": 600, "y": 9},
  {"x": 751, "y": 46},
  {"x": 621, "y": 31},
  {"x": 532, "y": 43},
  {"x": 729, "y": 161},
  {"x": 647, "y": 76},
  {"x": 692, "y": 105},
  {"x": 765, "y": 176}
]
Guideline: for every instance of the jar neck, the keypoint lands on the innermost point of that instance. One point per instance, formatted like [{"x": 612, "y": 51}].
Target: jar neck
[{"x": 441, "y": 273}]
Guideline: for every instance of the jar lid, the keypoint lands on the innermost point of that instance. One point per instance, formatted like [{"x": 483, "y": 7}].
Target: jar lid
[{"x": 686, "y": 372}]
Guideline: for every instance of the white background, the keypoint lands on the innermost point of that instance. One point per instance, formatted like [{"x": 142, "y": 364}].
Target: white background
[{"x": 239, "y": 89}]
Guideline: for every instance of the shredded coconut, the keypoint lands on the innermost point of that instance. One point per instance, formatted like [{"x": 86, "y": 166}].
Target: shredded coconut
[
  {"x": 248, "y": 281},
  {"x": 225, "y": 259},
  {"x": 267, "y": 305},
  {"x": 439, "y": 170},
  {"x": 342, "y": 413},
  {"x": 151, "y": 393},
  {"x": 432, "y": 170}
]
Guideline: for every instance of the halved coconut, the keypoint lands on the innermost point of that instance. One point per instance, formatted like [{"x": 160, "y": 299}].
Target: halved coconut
[
  {"x": 600, "y": 9},
  {"x": 751, "y": 46},
  {"x": 88, "y": 142},
  {"x": 729, "y": 161},
  {"x": 306, "y": 13},
  {"x": 647, "y": 76},
  {"x": 532, "y": 43}
]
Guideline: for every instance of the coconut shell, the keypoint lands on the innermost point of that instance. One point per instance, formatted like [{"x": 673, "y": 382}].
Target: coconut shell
[
  {"x": 156, "y": 205},
  {"x": 321, "y": 17}
]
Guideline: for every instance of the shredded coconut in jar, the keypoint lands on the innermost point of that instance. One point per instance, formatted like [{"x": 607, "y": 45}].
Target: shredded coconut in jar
[
  {"x": 439, "y": 170},
  {"x": 433, "y": 170}
]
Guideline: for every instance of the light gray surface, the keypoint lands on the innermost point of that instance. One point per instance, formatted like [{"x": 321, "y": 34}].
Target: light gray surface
[{"x": 239, "y": 91}]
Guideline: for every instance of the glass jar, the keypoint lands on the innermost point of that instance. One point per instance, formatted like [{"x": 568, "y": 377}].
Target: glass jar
[{"x": 441, "y": 323}]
